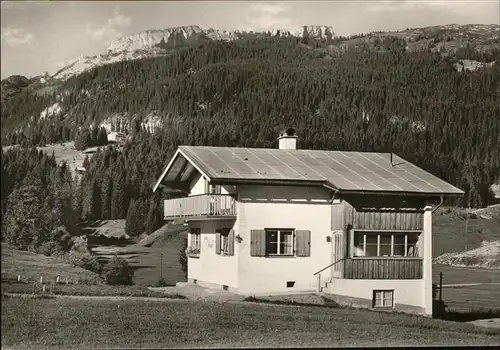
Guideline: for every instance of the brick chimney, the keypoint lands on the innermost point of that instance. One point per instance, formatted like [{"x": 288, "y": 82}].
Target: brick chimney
[{"x": 287, "y": 139}]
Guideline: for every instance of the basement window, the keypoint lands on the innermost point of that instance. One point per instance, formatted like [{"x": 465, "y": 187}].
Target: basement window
[{"x": 383, "y": 299}]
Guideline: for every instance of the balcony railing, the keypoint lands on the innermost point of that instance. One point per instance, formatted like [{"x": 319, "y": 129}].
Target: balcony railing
[
  {"x": 200, "y": 205},
  {"x": 383, "y": 268}
]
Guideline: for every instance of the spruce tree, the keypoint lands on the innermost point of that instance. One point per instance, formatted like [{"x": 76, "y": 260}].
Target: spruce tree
[{"x": 119, "y": 204}]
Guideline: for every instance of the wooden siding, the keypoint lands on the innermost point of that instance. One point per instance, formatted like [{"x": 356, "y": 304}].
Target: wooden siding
[
  {"x": 383, "y": 268},
  {"x": 386, "y": 214}
]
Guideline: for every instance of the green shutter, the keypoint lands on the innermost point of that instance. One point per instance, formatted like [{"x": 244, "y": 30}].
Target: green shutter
[
  {"x": 257, "y": 243},
  {"x": 303, "y": 242},
  {"x": 217, "y": 243},
  {"x": 230, "y": 243}
]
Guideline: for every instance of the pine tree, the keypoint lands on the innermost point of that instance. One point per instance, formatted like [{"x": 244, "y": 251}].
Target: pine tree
[
  {"x": 106, "y": 192},
  {"x": 119, "y": 203}
]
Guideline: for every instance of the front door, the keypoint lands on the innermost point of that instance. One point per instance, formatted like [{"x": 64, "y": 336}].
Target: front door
[{"x": 337, "y": 254}]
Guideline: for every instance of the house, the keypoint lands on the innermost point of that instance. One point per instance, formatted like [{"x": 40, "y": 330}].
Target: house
[
  {"x": 80, "y": 170},
  {"x": 116, "y": 137},
  {"x": 355, "y": 225}
]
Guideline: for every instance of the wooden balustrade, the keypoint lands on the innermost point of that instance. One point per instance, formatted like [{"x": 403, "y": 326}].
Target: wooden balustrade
[{"x": 200, "y": 205}]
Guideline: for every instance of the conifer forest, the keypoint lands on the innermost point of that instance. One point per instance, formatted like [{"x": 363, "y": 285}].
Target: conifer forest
[{"x": 361, "y": 97}]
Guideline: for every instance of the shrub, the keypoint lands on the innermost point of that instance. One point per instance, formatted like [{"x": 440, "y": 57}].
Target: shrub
[
  {"x": 183, "y": 257},
  {"x": 50, "y": 248},
  {"x": 85, "y": 260},
  {"x": 161, "y": 283},
  {"x": 81, "y": 256},
  {"x": 118, "y": 272}
]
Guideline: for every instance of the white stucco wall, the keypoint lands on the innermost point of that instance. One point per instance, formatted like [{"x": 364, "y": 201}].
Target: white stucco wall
[
  {"x": 301, "y": 208},
  {"x": 406, "y": 292},
  {"x": 211, "y": 267},
  {"x": 198, "y": 187}
]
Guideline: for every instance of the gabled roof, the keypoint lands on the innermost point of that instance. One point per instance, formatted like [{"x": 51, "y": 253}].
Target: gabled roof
[{"x": 347, "y": 172}]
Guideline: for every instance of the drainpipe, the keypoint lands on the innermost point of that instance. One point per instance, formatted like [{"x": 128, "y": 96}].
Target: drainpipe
[
  {"x": 439, "y": 205},
  {"x": 334, "y": 190}
]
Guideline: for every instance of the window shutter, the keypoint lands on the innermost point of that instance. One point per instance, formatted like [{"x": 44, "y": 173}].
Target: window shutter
[
  {"x": 303, "y": 241},
  {"x": 257, "y": 243},
  {"x": 230, "y": 243},
  {"x": 217, "y": 243}
]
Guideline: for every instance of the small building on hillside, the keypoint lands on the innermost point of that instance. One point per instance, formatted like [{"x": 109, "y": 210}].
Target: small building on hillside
[
  {"x": 116, "y": 137},
  {"x": 80, "y": 170},
  {"x": 355, "y": 225}
]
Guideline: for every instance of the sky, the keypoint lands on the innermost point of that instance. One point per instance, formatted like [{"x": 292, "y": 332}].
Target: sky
[{"x": 39, "y": 36}]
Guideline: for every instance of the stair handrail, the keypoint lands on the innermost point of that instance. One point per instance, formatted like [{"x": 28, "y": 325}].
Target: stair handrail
[{"x": 324, "y": 268}]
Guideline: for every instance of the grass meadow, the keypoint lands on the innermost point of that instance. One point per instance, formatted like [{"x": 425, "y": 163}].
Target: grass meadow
[{"x": 64, "y": 323}]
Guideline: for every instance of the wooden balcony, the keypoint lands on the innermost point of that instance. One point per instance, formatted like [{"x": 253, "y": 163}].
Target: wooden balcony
[
  {"x": 383, "y": 268},
  {"x": 202, "y": 206}
]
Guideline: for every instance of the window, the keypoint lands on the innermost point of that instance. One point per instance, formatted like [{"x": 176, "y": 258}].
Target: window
[
  {"x": 384, "y": 244},
  {"x": 196, "y": 238},
  {"x": 212, "y": 189},
  {"x": 223, "y": 236},
  {"x": 279, "y": 242},
  {"x": 383, "y": 298}
]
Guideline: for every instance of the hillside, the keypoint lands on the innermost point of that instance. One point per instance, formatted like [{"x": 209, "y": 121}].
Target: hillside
[
  {"x": 31, "y": 267},
  {"x": 155, "y": 255},
  {"x": 453, "y": 234},
  {"x": 486, "y": 256},
  {"x": 370, "y": 92}
]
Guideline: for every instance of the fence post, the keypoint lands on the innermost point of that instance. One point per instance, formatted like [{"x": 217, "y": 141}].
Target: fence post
[
  {"x": 41, "y": 279},
  {"x": 18, "y": 278},
  {"x": 319, "y": 282},
  {"x": 161, "y": 265},
  {"x": 440, "y": 286}
]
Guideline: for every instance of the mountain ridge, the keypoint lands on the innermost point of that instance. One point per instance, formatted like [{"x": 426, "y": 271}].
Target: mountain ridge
[{"x": 156, "y": 42}]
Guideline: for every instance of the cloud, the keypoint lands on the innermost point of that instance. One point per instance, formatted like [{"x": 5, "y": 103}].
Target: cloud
[
  {"x": 119, "y": 21},
  {"x": 409, "y": 5},
  {"x": 110, "y": 29},
  {"x": 268, "y": 15},
  {"x": 16, "y": 36}
]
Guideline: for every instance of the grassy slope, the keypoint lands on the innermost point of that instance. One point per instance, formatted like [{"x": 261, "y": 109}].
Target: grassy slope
[
  {"x": 449, "y": 231},
  {"x": 31, "y": 266},
  {"x": 62, "y": 323},
  {"x": 145, "y": 256},
  {"x": 86, "y": 290},
  {"x": 484, "y": 296}
]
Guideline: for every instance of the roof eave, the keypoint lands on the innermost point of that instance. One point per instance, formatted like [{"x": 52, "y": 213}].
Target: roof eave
[
  {"x": 402, "y": 193},
  {"x": 239, "y": 181},
  {"x": 170, "y": 164}
]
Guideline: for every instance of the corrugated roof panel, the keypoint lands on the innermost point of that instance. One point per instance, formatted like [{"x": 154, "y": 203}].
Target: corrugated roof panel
[{"x": 355, "y": 171}]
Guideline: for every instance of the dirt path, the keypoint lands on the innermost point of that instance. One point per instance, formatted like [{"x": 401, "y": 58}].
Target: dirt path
[{"x": 467, "y": 284}]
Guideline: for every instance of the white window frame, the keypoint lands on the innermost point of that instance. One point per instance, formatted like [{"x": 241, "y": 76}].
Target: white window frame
[
  {"x": 278, "y": 243},
  {"x": 383, "y": 298},
  {"x": 364, "y": 234},
  {"x": 195, "y": 238}
]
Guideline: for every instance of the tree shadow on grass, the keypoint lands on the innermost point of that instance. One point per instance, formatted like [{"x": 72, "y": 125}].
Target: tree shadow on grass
[{"x": 469, "y": 315}]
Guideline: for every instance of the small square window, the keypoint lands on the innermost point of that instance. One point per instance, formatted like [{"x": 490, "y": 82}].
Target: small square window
[
  {"x": 279, "y": 242},
  {"x": 383, "y": 298}
]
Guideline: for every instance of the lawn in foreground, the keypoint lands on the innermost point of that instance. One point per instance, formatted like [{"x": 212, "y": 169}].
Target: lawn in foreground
[{"x": 63, "y": 323}]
